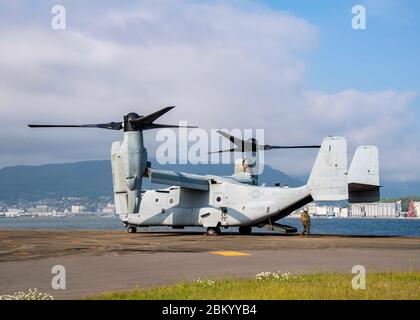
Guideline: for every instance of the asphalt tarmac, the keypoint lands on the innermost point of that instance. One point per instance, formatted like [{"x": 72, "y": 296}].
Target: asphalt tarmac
[{"x": 98, "y": 261}]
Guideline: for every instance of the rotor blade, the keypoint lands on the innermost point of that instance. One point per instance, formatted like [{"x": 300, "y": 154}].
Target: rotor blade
[
  {"x": 110, "y": 125},
  {"x": 226, "y": 150},
  {"x": 158, "y": 126},
  {"x": 249, "y": 145},
  {"x": 268, "y": 147},
  {"x": 148, "y": 120},
  {"x": 238, "y": 142}
]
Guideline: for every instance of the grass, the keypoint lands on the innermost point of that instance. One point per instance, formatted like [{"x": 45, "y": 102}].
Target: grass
[{"x": 384, "y": 285}]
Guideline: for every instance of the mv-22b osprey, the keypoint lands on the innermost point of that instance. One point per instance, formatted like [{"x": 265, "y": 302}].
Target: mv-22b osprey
[{"x": 214, "y": 202}]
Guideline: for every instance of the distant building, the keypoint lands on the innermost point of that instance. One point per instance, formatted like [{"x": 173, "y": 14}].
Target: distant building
[
  {"x": 40, "y": 209},
  {"x": 356, "y": 210},
  {"x": 324, "y": 211},
  {"x": 109, "y": 209},
  {"x": 77, "y": 209},
  {"x": 320, "y": 211},
  {"x": 375, "y": 210},
  {"x": 417, "y": 208},
  {"x": 12, "y": 213},
  {"x": 344, "y": 213}
]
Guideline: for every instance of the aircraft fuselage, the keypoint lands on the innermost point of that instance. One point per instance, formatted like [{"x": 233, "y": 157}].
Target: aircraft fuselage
[{"x": 226, "y": 204}]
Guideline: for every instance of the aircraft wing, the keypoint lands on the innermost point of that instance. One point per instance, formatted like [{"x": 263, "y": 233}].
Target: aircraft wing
[{"x": 181, "y": 179}]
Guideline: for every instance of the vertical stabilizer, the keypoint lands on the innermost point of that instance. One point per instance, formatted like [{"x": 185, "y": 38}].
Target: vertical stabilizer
[
  {"x": 328, "y": 179},
  {"x": 364, "y": 175}
]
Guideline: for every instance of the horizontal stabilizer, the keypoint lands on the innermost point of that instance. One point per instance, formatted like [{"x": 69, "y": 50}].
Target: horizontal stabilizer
[{"x": 359, "y": 193}]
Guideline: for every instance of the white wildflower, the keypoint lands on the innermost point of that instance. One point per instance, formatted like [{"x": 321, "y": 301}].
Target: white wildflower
[
  {"x": 277, "y": 276},
  {"x": 204, "y": 283},
  {"x": 31, "y": 294}
]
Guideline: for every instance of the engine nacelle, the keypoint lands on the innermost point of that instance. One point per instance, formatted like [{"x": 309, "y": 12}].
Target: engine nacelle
[{"x": 129, "y": 162}]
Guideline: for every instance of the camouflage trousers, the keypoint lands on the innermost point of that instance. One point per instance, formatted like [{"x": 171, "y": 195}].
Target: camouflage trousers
[{"x": 306, "y": 230}]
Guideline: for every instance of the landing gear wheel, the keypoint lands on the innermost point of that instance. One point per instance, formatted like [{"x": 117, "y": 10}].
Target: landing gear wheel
[
  {"x": 131, "y": 229},
  {"x": 245, "y": 230},
  {"x": 213, "y": 231}
]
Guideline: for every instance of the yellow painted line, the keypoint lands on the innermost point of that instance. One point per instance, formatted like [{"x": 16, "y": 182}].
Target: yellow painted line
[{"x": 230, "y": 253}]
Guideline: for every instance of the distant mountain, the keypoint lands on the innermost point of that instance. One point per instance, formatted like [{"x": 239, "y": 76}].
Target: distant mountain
[
  {"x": 53, "y": 181},
  {"x": 92, "y": 179}
]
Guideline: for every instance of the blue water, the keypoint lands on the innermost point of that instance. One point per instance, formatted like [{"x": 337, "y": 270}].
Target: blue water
[{"x": 376, "y": 227}]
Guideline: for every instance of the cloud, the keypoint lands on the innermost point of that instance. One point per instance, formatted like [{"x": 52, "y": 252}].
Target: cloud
[
  {"x": 224, "y": 64},
  {"x": 384, "y": 118}
]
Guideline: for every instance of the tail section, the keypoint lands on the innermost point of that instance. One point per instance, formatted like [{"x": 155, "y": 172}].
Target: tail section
[
  {"x": 328, "y": 179},
  {"x": 364, "y": 175}
]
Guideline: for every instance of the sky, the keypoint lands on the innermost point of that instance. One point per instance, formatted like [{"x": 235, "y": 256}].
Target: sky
[{"x": 297, "y": 69}]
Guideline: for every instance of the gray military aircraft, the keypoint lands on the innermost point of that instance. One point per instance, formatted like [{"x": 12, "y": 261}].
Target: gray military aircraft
[{"x": 214, "y": 202}]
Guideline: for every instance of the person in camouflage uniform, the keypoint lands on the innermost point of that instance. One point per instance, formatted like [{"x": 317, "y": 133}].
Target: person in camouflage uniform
[{"x": 306, "y": 222}]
